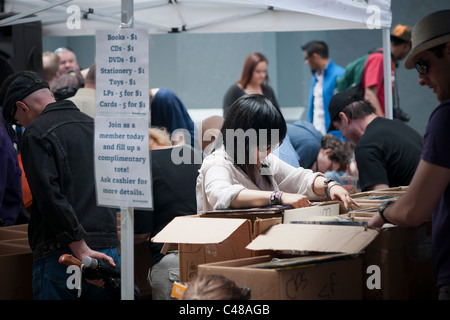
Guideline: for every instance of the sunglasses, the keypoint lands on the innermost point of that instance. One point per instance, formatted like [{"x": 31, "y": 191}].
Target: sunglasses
[
  {"x": 13, "y": 120},
  {"x": 422, "y": 65}
]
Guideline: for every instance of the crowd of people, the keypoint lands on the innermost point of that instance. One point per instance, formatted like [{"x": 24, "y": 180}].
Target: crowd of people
[{"x": 251, "y": 157}]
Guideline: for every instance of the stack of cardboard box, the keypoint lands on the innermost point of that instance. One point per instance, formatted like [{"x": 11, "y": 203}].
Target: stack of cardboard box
[
  {"x": 16, "y": 264},
  {"x": 320, "y": 252},
  {"x": 16, "y": 261}
]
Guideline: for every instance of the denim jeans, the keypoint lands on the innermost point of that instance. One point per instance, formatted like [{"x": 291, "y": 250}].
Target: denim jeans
[{"x": 50, "y": 279}]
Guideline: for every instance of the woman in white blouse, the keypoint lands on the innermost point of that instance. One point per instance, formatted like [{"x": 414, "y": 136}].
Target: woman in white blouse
[{"x": 242, "y": 172}]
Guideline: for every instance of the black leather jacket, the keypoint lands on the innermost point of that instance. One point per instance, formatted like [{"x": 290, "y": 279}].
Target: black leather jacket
[{"x": 58, "y": 160}]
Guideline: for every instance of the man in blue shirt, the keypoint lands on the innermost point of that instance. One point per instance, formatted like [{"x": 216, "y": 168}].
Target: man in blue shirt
[{"x": 325, "y": 72}]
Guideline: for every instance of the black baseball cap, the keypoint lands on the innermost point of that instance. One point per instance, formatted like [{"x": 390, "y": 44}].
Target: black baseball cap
[
  {"x": 21, "y": 87},
  {"x": 340, "y": 101}
]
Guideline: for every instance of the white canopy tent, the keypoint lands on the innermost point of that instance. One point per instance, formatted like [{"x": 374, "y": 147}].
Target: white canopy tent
[
  {"x": 205, "y": 16},
  {"x": 84, "y": 17}
]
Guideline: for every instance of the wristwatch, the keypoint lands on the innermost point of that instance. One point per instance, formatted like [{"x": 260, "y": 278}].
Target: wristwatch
[
  {"x": 327, "y": 184},
  {"x": 381, "y": 209}
]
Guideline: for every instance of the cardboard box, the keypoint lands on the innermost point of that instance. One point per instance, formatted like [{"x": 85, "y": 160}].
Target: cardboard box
[
  {"x": 403, "y": 255},
  {"x": 306, "y": 278},
  {"x": 203, "y": 240},
  {"x": 403, "y": 275},
  {"x": 370, "y": 199},
  {"x": 17, "y": 227},
  {"x": 16, "y": 262},
  {"x": 324, "y": 255},
  {"x": 404, "y": 258},
  {"x": 253, "y": 214},
  {"x": 321, "y": 211},
  {"x": 7, "y": 234},
  {"x": 315, "y": 238}
]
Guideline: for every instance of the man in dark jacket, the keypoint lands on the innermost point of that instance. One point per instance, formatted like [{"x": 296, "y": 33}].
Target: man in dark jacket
[{"x": 58, "y": 154}]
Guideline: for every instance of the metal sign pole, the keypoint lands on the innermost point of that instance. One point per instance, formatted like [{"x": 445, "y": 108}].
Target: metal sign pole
[{"x": 127, "y": 213}]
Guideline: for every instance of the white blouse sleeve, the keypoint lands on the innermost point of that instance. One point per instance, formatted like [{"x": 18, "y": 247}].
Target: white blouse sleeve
[
  {"x": 294, "y": 180},
  {"x": 220, "y": 189}
]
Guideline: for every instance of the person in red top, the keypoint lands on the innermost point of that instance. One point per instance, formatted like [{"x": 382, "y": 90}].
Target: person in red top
[{"x": 373, "y": 77}]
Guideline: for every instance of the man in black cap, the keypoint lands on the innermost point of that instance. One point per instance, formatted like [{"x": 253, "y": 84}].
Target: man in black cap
[
  {"x": 428, "y": 196},
  {"x": 57, "y": 152},
  {"x": 387, "y": 151}
]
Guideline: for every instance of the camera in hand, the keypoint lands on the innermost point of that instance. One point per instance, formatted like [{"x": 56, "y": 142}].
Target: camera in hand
[
  {"x": 101, "y": 266},
  {"x": 101, "y": 269}
]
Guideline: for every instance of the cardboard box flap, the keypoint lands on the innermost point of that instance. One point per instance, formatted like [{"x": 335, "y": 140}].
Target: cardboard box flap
[
  {"x": 316, "y": 238},
  {"x": 198, "y": 230}
]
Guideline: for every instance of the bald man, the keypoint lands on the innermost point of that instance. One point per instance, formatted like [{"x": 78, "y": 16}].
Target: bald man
[{"x": 58, "y": 153}]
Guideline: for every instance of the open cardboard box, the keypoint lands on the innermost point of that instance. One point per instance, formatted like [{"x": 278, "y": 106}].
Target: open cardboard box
[
  {"x": 203, "y": 240},
  {"x": 221, "y": 235},
  {"x": 328, "y": 277},
  {"x": 370, "y": 199},
  {"x": 16, "y": 262},
  {"x": 327, "y": 263},
  {"x": 403, "y": 256},
  {"x": 314, "y": 238}
]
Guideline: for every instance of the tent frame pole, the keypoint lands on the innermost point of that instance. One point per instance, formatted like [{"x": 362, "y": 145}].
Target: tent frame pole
[{"x": 387, "y": 67}]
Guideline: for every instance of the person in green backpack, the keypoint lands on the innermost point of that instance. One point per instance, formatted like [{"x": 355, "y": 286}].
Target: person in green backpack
[{"x": 367, "y": 74}]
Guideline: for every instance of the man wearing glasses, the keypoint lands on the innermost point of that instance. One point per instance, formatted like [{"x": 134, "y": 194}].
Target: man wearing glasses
[
  {"x": 57, "y": 152},
  {"x": 428, "y": 195}
]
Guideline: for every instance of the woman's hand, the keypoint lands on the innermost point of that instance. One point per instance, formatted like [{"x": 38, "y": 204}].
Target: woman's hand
[
  {"x": 337, "y": 192},
  {"x": 294, "y": 200}
]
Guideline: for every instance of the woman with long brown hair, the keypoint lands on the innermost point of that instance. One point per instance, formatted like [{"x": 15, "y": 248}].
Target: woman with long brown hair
[
  {"x": 243, "y": 172},
  {"x": 254, "y": 80}
]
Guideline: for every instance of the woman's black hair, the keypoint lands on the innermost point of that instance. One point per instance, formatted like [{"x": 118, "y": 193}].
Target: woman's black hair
[{"x": 251, "y": 121}]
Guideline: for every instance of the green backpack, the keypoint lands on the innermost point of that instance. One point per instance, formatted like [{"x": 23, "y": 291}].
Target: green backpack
[{"x": 353, "y": 74}]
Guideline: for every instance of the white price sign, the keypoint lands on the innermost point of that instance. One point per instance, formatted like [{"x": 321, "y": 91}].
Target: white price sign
[
  {"x": 122, "y": 72},
  {"x": 122, "y": 161}
]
